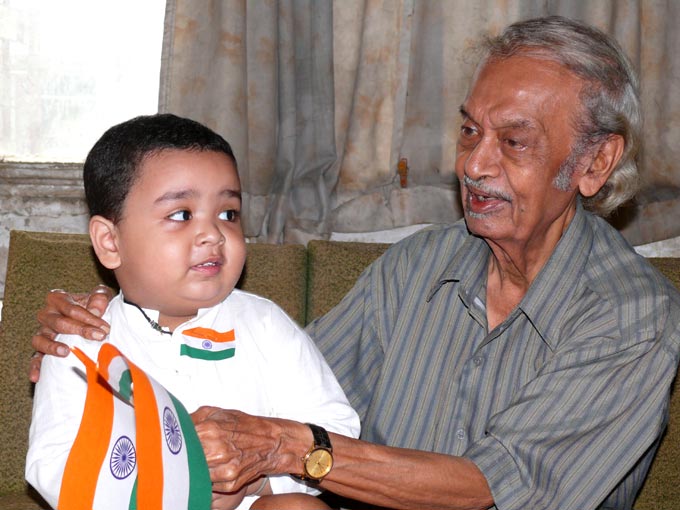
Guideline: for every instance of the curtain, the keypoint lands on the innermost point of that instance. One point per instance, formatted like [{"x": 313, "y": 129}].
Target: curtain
[{"x": 343, "y": 115}]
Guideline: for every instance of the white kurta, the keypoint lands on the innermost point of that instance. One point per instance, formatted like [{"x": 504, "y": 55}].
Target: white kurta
[{"x": 276, "y": 371}]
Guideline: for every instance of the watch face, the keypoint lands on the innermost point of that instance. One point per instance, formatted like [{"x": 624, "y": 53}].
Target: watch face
[{"x": 319, "y": 463}]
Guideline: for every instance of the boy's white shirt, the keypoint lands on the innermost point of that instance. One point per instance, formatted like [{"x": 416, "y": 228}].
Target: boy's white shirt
[{"x": 277, "y": 371}]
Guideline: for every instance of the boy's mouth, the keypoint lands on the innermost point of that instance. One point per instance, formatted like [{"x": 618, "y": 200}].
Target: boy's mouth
[{"x": 209, "y": 266}]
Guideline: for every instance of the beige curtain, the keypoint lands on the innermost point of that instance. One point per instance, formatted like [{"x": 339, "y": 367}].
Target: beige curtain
[{"x": 322, "y": 99}]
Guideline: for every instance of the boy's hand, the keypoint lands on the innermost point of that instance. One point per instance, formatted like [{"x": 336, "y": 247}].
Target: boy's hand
[{"x": 74, "y": 314}]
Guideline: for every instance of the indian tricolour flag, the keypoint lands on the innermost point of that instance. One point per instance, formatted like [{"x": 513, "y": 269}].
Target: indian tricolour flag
[
  {"x": 208, "y": 344},
  {"x": 136, "y": 447}
]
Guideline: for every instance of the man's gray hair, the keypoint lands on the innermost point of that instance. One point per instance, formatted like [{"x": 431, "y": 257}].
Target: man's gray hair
[{"x": 611, "y": 97}]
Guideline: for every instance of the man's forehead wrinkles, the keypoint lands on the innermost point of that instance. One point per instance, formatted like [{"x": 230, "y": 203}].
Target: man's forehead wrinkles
[{"x": 501, "y": 120}]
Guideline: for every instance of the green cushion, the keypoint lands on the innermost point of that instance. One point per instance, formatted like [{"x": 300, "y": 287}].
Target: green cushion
[
  {"x": 27, "y": 499},
  {"x": 333, "y": 269},
  {"x": 36, "y": 263},
  {"x": 278, "y": 272}
]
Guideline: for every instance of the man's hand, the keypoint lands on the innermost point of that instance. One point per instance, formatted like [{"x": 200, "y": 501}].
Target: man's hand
[
  {"x": 75, "y": 314},
  {"x": 240, "y": 447}
]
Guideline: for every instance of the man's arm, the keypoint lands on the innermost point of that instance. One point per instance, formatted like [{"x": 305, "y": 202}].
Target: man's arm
[
  {"x": 240, "y": 447},
  {"x": 75, "y": 314}
]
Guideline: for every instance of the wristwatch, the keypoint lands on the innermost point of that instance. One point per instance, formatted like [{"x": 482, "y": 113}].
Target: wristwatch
[{"x": 318, "y": 461}]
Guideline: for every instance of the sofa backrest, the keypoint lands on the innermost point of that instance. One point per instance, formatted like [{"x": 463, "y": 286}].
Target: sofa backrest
[{"x": 333, "y": 268}]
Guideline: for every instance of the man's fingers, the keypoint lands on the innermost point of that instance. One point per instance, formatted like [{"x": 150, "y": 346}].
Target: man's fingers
[
  {"x": 228, "y": 479},
  {"x": 72, "y": 319},
  {"x": 43, "y": 342},
  {"x": 34, "y": 367},
  {"x": 99, "y": 299},
  {"x": 202, "y": 413}
]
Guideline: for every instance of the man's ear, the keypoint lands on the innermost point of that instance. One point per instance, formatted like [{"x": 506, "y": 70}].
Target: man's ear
[
  {"x": 104, "y": 237},
  {"x": 603, "y": 164}
]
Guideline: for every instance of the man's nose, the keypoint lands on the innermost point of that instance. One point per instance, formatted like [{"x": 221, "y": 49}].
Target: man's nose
[{"x": 484, "y": 159}]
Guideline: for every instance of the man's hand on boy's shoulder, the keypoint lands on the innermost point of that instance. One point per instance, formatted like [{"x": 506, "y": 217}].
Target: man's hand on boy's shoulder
[{"x": 74, "y": 314}]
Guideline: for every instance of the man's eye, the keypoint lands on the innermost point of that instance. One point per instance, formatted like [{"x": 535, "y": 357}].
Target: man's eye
[
  {"x": 229, "y": 215},
  {"x": 467, "y": 131},
  {"x": 514, "y": 144},
  {"x": 180, "y": 216},
  {"x": 468, "y": 136}
]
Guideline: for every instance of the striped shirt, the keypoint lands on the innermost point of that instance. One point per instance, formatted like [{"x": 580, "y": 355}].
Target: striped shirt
[{"x": 560, "y": 406}]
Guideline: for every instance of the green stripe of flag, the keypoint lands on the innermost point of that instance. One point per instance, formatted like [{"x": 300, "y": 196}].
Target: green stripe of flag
[
  {"x": 133, "y": 496},
  {"x": 200, "y": 486},
  {"x": 125, "y": 384},
  {"x": 193, "y": 352}
]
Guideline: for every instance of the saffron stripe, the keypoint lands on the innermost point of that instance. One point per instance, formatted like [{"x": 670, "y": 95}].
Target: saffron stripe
[
  {"x": 210, "y": 334},
  {"x": 193, "y": 352},
  {"x": 91, "y": 444},
  {"x": 149, "y": 454}
]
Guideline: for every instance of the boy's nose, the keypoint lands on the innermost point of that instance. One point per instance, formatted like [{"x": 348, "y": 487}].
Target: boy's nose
[{"x": 210, "y": 234}]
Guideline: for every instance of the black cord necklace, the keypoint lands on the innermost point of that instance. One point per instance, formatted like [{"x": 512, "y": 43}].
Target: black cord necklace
[{"x": 151, "y": 322}]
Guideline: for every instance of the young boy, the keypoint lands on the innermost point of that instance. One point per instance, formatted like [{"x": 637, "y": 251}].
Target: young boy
[{"x": 164, "y": 199}]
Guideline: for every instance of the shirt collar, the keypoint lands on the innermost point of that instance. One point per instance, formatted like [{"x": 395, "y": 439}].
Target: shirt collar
[
  {"x": 550, "y": 291},
  {"x": 468, "y": 266},
  {"x": 556, "y": 283}
]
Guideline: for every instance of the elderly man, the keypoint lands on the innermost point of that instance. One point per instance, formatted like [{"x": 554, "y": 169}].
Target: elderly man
[{"x": 521, "y": 358}]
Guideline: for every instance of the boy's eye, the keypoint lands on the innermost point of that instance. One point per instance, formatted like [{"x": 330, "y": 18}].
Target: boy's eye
[
  {"x": 183, "y": 215},
  {"x": 229, "y": 215}
]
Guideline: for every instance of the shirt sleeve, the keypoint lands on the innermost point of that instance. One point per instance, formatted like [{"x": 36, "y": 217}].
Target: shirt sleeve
[
  {"x": 58, "y": 406},
  {"x": 303, "y": 388},
  {"x": 348, "y": 337},
  {"x": 578, "y": 428}
]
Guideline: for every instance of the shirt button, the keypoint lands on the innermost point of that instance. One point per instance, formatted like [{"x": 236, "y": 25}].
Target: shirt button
[
  {"x": 478, "y": 360},
  {"x": 460, "y": 434}
]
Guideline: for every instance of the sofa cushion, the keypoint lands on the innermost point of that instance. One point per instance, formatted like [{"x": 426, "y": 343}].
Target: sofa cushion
[
  {"x": 24, "y": 500},
  {"x": 333, "y": 268}
]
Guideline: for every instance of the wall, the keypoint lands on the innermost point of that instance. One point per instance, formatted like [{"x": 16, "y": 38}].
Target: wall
[{"x": 41, "y": 197}]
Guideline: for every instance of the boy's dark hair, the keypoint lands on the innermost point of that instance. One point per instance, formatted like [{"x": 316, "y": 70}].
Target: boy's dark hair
[{"x": 113, "y": 163}]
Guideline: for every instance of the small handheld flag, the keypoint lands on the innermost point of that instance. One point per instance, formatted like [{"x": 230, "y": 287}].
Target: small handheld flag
[{"x": 136, "y": 447}]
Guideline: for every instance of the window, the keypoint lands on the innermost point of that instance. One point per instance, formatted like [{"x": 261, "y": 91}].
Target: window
[{"x": 69, "y": 69}]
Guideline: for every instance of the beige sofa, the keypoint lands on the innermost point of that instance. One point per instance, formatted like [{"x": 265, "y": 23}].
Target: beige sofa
[{"x": 306, "y": 282}]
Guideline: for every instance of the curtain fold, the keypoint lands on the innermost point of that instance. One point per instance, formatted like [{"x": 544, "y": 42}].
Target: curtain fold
[{"x": 322, "y": 99}]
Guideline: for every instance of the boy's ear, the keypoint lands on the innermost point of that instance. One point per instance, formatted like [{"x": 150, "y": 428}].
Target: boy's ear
[
  {"x": 603, "y": 164},
  {"x": 103, "y": 235}
]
